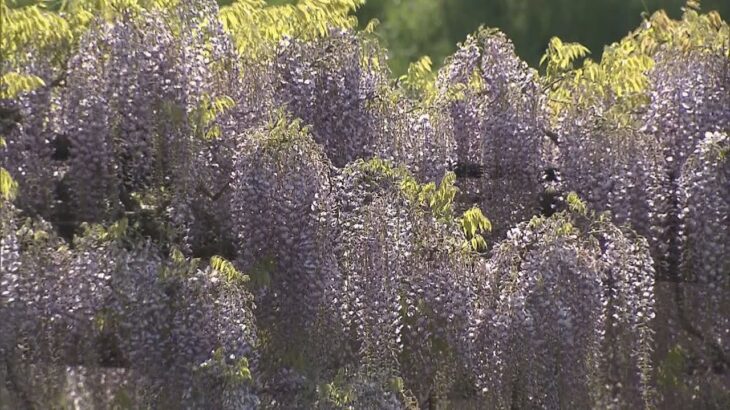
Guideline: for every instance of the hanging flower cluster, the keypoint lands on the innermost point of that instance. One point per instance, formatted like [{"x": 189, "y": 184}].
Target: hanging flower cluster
[{"x": 197, "y": 214}]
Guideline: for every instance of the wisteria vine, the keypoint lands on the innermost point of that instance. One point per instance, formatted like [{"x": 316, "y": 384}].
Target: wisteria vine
[{"x": 189, "y": 223}]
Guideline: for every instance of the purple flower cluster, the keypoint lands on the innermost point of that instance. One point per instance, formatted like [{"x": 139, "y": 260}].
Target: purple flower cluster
[
  {"x": 498, "y": 127},
  {"x": 103, "y": 305},
  {"x": 325, "y": 83},
  {"x": 570, "y": 299},
  {"x": 197, "y": 230}
]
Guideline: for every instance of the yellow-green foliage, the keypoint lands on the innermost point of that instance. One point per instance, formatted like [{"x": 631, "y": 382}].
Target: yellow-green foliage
[
  {"x": 8, "y": 186},
  {"x": 180, "y": 266},
  {"x": 13, "y": 84},
  {"x": 282, "y": 131},
  {"x": 235, "y": 373},
  {"x": 620, "y": 75},
  {"x": 694, "y": 31},
  {"x": 52, "y": 28},
  {"x": 338, "y": 392},
  {"x": 619, "y": 80},
  {"x": 377, "y": 165},
  {"x": 439, "y": 200},
  {"x": 559, "y": 57},
  {"x": 474, "y": 224},
  {"x": 99, "y": 233},
  {"x": 79, "y": 13},
  {"x": 225, "y": 267},
  {"x": 256, "y": 27},
  {"x": 575, "y": 204},
  {"x": 30, "y": 27},
  {"x": 206, "y": 113},
  {"x": 420, "y": 81},
  {"x": 567, "y": 85},
  {"x": 27, "y": 29}
]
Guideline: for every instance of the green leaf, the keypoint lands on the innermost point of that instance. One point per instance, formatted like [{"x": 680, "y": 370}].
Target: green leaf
[
  {"x": 575, "y": 204},
  {"x": 8, "y": 186},
  {"x": 13, "y": 84},
  {"x": 225, "y": 267}
]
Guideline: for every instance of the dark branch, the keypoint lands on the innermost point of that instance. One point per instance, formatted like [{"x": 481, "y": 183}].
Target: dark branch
[
  {"x": 693, "y": 331},
  {"x": 468, "y": 170},
  {"x": 214, "y": 196}
]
